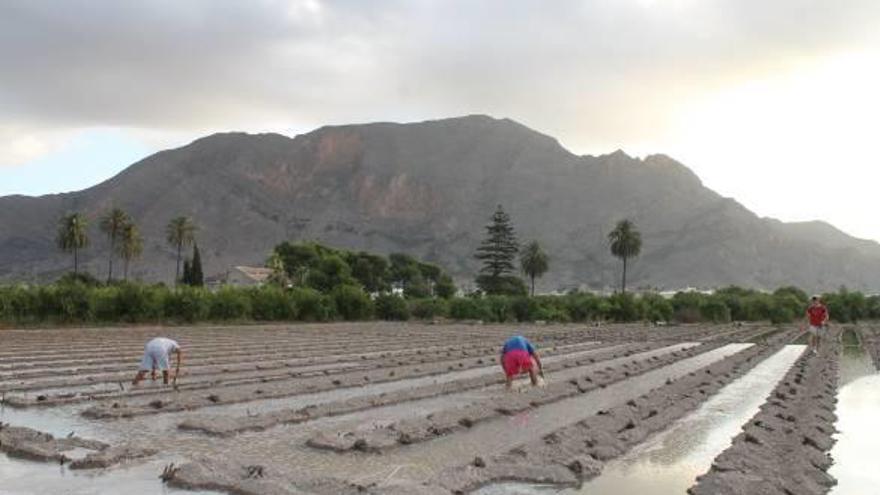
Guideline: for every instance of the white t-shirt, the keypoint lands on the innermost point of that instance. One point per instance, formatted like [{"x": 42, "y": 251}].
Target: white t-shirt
[{"x": 162, "y": 346}]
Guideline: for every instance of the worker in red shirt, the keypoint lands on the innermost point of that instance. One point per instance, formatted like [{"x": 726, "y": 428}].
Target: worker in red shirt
[{"x": 817, "y": 320}]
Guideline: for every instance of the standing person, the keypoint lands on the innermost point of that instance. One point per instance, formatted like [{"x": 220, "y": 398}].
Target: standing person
[
  {"x": 817, "y": 319},
  {"x": 157, "y": 356},
  {"x": 519, "y": 356}
]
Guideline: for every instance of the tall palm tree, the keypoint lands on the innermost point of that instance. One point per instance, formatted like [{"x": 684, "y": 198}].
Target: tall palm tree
[
  {"x": 131, "y": 245},
  {"x": 180, "y": 232},
  {"x": 534, "y": 262},
  {"x": 112, "y": 224},
  {"x": 626, "y": 242},
  {"x": 73, "y": 235}
]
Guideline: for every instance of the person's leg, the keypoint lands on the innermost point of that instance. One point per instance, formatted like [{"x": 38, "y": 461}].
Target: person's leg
[
  {"x": 534, "y": 376},
  {"x": 143, "y": 369},
  {"x": 508, "y": 365},
  {"x": 139, "y": 377},
  {"x": 162, "y": 364}
]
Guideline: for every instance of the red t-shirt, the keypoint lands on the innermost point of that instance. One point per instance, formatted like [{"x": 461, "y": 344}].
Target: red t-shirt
[{"x": 817, "y": 315}]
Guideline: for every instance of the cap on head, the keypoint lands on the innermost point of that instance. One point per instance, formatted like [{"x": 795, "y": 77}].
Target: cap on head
[{"x": 815, "y": 298}]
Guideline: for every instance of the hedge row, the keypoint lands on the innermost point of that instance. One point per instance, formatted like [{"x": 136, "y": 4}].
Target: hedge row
[{"x": 75, "y": 302}]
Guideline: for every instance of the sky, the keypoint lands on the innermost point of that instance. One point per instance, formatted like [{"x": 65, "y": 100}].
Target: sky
[{"x": 772, "y": 102}]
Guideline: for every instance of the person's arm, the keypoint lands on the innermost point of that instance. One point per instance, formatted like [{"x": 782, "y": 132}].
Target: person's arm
[
  {"x": 177, "y": 368},
  {"x": 540, "y": 365}
]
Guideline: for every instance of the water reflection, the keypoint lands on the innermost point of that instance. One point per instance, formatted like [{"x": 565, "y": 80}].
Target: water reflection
[
  {"x": 857, "y": 451},
  {"x": 669, "y": 462},
  {"x": 33, "y": 478}
]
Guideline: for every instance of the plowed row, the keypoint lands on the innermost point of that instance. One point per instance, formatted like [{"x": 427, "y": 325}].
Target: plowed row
[{"x": 364, "y": 408}]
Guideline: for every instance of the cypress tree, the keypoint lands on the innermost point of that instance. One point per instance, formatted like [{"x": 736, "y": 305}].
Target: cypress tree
[
  {"x": 196, "y": 277},
  {"x": 498, "y": 254},
  {"x": 186, "y": 279}
]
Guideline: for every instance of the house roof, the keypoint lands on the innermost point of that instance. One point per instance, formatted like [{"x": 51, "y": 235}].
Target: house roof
[{"x": 255, "y": 273}]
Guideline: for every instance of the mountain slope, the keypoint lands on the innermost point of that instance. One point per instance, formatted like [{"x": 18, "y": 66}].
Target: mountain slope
[{"x": 428, "y": 189}]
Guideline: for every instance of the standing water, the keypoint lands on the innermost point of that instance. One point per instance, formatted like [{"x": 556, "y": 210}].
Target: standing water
[
  {"x": 669, "y": 462},
  {"x": 857, "y": 451}
]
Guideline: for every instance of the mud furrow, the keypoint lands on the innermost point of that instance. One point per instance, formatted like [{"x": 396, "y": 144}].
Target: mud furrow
[
  {"x": 288, "y": 387},
  {"x": 224, "y": 425},
  {"x": 461, "y": 419},
  {"x": 576, "y": 452},
  {"x": 784, "y": 448}
]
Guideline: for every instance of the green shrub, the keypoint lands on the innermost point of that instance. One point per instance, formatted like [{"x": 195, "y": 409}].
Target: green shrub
[
  {"x": 468, "y": 308},
  {"x": 229, "y": 304},
  {"x": 582, "y": 306},
  {"x": 525, "y": 308},
  {"x": 656, "y": 308},
  {"x": 103, "y": 304},
  {"x": 780, "y": 314},
  {"x": 186, "y": 304},
  {"x": 352, "y": 303},
  {"x": 18, "y": 304},
  {"x": 428, "y": 309},
  {"x": 445, "y": 287},
  {"x": 67, "y": 302},
  {"x": 311, "y": 305},
  {"x": 126, "y": 302},
  {"x": 715, "y": 311},
  {"x": 271, "y": 303},
  {"x": 500, "y": 308},
  {"x": 83, "y": 278},
  {"x": 138, "y": 303},
  {"x": 391, "y": 307},
  {"x": 624, "y": 307}
]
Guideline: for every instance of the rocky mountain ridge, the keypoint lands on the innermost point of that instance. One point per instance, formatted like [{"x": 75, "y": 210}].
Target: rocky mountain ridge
[{"x": 428, "y": 189}]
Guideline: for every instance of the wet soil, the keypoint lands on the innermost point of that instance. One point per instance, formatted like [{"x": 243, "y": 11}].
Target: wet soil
[{"x": 262, "y": 392}]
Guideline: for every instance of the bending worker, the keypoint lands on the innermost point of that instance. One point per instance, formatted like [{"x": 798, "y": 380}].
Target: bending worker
[
  {"x": 519, "y": 356},
  {"x": 157, "y": 355}
]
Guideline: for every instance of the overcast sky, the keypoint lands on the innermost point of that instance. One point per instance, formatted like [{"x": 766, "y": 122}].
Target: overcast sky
[{"x": 772, "y": 102}]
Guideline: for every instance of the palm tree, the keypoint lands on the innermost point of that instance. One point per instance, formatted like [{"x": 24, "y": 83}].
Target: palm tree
[
  {"x": 112, "y": 224},
  {"x": 73, "y": 235},
  {"x": 534, "y": 262},
  {"x": 180, "y": 232},
  {"x": 131, "y": 245},
  {"x": 626, "y": 242}
]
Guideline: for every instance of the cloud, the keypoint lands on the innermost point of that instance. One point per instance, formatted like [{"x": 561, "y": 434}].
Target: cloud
[{"x": 593, "y": 72}]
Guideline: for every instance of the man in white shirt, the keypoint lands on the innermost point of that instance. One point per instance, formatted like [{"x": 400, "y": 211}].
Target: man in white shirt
[{"x": 157, "y": 354}]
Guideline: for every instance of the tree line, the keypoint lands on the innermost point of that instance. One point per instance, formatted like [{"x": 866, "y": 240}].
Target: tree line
[
  {"x": 313, "y": 282},
  {"x": 500, "y": 248},
  {"x": 71, "y": 301},
  {"x": 127, "y": 243}
]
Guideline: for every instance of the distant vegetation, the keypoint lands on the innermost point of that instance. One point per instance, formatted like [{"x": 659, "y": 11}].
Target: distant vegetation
[
  {"x": 333, "y": 292},
  {"x": 313, "y": 282},
  {"x": 498, "y": 253}
]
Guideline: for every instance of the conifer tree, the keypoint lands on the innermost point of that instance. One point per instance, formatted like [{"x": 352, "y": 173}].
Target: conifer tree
[
  {"x": 498, "y": 254},
  {"x": 196, "y": 277}
]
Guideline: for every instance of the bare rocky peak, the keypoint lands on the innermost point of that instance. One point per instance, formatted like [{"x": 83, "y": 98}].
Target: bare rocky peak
[{"x": 427, "y": 189}]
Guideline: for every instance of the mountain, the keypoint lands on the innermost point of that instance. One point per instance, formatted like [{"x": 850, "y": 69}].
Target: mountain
[{"x": 428, "y": 189}]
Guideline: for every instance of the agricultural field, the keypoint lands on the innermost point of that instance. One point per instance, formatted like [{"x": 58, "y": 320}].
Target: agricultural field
[{"x": 412, "y": 408}]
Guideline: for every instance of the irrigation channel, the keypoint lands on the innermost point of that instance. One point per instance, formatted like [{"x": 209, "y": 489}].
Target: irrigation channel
[{"x": 420, "y": 409}]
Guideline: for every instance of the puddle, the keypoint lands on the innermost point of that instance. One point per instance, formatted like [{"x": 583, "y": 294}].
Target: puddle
[
  {"x": 22, "y": 477},
  {"x": 857, "y": 451},
  {"x": 669, "y": 462}
]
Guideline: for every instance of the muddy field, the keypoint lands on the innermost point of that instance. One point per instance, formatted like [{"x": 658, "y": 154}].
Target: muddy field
[{"x": 389, "y": 408}]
